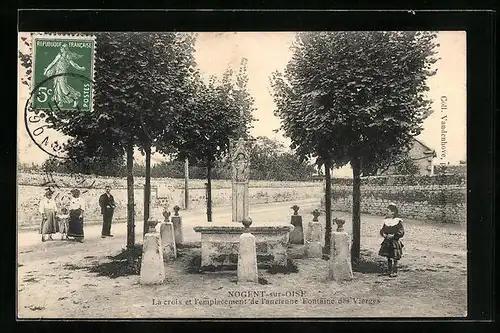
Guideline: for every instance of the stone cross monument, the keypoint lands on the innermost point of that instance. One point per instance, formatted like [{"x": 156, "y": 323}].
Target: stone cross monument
[{"x": 240, "y": 174}]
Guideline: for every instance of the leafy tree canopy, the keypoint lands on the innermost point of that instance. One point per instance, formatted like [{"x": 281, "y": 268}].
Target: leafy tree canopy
[
  {"x": 220, "y": 111},
  {"x": 346, "y": 95}
]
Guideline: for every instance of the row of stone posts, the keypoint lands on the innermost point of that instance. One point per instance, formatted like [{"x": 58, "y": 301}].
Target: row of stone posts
[
  {"x": 160, "y": 247},
  {"x": 163, "y": 246},
  {"x": 340, "y": 256},
  {"x": 339, "y": 265}
]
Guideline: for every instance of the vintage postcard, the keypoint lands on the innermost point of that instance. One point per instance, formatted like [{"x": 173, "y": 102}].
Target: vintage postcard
[{"x": 241, "y": 175}]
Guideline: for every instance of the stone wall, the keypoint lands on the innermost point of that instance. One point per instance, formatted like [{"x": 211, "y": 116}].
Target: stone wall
[
  {"x": 164, "y": 192},
  {"x": 436, "y": 198}
]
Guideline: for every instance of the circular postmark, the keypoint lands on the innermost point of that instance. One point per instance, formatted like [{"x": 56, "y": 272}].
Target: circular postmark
[
  {"x": 54, "y": 103},
  {"x": 41, "y": 120}
]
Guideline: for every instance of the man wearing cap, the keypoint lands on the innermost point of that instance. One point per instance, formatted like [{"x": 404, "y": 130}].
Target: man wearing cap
[{"x": 107, "y": 203}]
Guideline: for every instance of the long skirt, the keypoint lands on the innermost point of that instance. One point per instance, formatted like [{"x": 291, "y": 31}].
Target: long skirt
[
  {"x": 391, "y": 248},
  {"x": 50, "y": 225},
  {"x": 63, "y": 92},
  {"x": 75, "y": 225},
  {"x": 63, "y": 225}
]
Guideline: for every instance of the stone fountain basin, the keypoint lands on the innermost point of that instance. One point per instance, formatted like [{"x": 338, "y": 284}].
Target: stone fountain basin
[{"x": 219, "y": 245}]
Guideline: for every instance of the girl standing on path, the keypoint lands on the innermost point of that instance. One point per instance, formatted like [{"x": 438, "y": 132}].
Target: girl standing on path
[
  {"x": 392, "y": 247},
  {"x": 76, "y": 209},
  {"x": 48, "y": 209}
]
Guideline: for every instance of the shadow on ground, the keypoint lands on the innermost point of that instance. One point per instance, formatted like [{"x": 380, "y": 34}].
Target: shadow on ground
[
  {"x": 128, "y": 262},
  {"x": 369, "y": 263},
  {"x": 193, "y": 265},
  {"x": 125, "y": 263}
]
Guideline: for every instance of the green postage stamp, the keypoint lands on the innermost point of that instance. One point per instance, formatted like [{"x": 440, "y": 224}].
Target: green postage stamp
[{"x": 63, "y": 72}]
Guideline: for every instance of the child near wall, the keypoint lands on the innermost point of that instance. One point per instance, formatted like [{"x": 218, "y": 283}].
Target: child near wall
[
  {"x": 392, "y": 247},
  {"x": 63, "y": 219}
]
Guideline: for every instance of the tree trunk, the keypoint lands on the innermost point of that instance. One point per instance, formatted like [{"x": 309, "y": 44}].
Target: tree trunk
[
  {"x": 356, "y": 210},
  {"x": 328, "y": 207},
  {"x": 209, "y": 192},
  {"x": 186, "y": 184},
  {"x": 147, "y": 187},
  {"x": 130, "y": 197}
]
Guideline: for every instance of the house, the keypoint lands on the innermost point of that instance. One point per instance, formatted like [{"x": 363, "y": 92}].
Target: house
[{"x": 422, "y": 157}]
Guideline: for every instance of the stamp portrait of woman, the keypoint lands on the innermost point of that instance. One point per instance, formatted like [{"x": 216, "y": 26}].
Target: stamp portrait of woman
[{"x": 63, "y": 92}]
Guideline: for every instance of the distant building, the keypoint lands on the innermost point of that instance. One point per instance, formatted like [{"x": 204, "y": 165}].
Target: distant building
[
  {"x": 422, "y": 157},
  {"x": 451, "y": 169}
]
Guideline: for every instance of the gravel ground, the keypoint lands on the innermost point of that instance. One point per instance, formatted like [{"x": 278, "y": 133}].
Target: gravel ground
[{"x": 55, "y": 280}]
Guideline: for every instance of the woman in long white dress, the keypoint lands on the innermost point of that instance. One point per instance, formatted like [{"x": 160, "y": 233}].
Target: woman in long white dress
[
  {"x": 63, "y": 93},
  {"x": 48, "y": 209}
]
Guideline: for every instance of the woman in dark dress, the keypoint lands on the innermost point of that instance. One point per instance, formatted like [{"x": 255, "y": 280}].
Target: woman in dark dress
[
  {"x": 392, "y": 247},
  {"x": 76, "y": 209}
]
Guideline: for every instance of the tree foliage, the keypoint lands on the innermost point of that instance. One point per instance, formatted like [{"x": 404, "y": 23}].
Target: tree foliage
[
  {"x": 270, "y": 161},
  {"x": 219, "y": 111},
  {"x": 355, "y": 94},
  {"x": 355, "y": 97}
]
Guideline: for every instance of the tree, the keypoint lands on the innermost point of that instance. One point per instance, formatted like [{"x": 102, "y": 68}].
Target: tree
[
  {"x": 264, "y": 155},
  {"x": 292, "y": 168},
  {"x": 354, "y": 97},
  {"x": 139, "y": 85},
  {"x": 149, "y": 77},
  {"x": 220, "y": 111},
  {"x": 91, "y": 157},
  {"x": 270, "y": 161}
]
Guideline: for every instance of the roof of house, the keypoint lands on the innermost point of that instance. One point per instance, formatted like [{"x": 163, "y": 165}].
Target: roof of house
[{"x": 429, "y": 150}]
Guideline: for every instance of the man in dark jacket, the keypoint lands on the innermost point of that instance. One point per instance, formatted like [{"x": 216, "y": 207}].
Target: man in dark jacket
[{"x": 107, "y": 203}]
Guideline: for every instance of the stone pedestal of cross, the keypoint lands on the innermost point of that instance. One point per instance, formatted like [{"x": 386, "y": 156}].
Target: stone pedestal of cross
[
  {"x": 313, "y": 242},
  {"x": 247, "y": 256},
  {"x": 339, "y": 266},
  {"x": 240, "y": 175},
  {"x": 152, "y": 266}
]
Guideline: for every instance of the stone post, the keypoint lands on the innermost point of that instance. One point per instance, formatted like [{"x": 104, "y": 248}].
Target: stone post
[
  {"x": 152, "y": 266},
  {"x": 339, "y": 266},
  {"x": 297, "y": 234},
  {"x": 247, "y": 255},
  {"x": 177, "y": 222},
  {"x": 314, "y": 233},
  {"x": 167, "y": 238}
]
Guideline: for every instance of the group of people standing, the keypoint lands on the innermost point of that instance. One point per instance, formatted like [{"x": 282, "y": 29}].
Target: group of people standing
[{"x": 69, "y": 220}]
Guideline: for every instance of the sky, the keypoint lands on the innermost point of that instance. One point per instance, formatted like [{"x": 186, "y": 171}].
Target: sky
[{"x": 270, "y": 51}]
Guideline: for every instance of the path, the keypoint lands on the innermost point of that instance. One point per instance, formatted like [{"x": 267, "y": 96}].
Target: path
[{"x": 432, "y": 282}]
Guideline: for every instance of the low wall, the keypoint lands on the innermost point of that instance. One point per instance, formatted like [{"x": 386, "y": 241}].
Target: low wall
[
  {"x": 436, "y": 198},
  {"x": 164, "y": 192}
]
